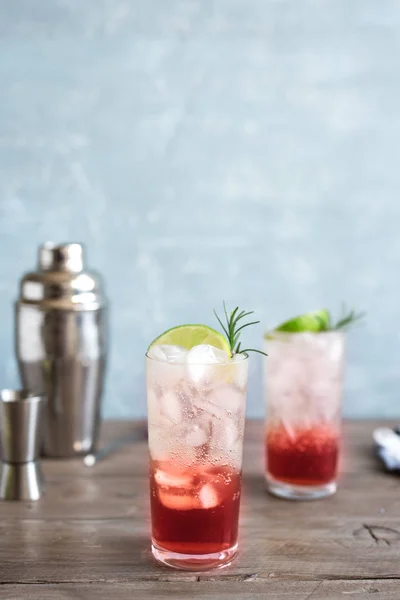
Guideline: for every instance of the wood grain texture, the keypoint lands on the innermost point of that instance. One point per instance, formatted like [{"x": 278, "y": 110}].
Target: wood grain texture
[
  {"x": 284, "y": 590},
  {"x": 89, "y": 534}
]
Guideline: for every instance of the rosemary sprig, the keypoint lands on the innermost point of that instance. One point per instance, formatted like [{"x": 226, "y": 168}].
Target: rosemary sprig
[
  {"x": 233, "y": 329},
  {"x": 347, "y": 319}
]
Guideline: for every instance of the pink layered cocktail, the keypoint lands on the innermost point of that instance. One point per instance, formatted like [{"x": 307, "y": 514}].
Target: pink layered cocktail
[
  {"x": 195, "y": 512},
  {"x": 303, "y": 394},
  {"x": 196, "y": 424}
]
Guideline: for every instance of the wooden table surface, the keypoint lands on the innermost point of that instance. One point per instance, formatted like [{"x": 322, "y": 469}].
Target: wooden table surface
[{"x": 88, "y": 537}]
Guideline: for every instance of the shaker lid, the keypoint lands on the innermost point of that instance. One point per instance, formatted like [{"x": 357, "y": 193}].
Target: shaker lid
[
  {"x": 62, "y": 257},
  {"x": 61, "y": 281}
]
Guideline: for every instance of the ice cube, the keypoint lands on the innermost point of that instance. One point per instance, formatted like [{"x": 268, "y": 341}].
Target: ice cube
[
  {"x": 199, "y": 357},
  {"x": 240, "y": 370},
  {"x": 168, "y": 353},
  {"x": 232, "y": 435},
  {"x": 236, "y": 358},
  {"x": 159, "y": 442},
  {"x": 153, "y": 405},
  {"x": 162, "y": 374},
  {"x": 196, "y": 435},
  {"x": 208, "y": 496},
  {"x": 285, "y": 381},
  {"x": 171, "y": 406},
  {"x": 166, "y": 479},
  {"x": 324, "y": 391},
  {"x": 184, "y": 395},
  {"x": 171, "y": 498},
  {"x": 156, "y": 353},
  {"x": 325, "y": 399},
  {"x": 208, "y": 408},
  {"x": 228, "y": 397},
  {"x": 226, "y": 442},
  {"x": 206, "y": 354},
  {"x": 225, "y": 435}
]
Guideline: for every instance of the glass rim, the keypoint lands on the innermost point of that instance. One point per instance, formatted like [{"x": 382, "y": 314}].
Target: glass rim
[
  {"x": 272, "y": 334},
  {"x": 201, "y": 364}
]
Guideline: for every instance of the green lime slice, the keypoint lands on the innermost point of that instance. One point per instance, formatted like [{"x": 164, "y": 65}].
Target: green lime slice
[
  {"x": 314, "y": 321},
  {"x": 189, "y": 336}
]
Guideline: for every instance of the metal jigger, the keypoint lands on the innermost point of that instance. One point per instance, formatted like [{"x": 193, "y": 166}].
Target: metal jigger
[{"x": 20, "y": 423}]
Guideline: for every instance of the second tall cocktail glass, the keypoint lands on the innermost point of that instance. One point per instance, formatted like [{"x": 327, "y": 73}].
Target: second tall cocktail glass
[
  {"x": 196, "y": 423},
  {"x": 304, "y": 374}
]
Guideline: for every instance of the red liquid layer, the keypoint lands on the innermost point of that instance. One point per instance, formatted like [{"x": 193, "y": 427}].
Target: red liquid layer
[
  {"x": 194, "y": 511},
  {"x": 306, "y": 457}
]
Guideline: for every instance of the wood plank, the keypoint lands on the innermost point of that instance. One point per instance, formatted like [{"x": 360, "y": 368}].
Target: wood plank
[
  {"x": 204, "y": 590},
  {"x": 357, "y": 590},
  {"x": 117, "y": 550},
  {"x": 93, "y": 524}
]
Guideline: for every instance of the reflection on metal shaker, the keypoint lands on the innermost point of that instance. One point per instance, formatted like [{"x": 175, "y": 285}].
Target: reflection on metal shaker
[{"x": 61, "y": 346}]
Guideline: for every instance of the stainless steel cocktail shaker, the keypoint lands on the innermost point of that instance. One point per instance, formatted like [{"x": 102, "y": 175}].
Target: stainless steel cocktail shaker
[{"x": 61, "y": 346}]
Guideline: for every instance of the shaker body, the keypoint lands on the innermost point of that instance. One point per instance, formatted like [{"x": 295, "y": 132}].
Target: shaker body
[
  {"x": 63, "y": 355},
  {"x": 61, "y": 346}
]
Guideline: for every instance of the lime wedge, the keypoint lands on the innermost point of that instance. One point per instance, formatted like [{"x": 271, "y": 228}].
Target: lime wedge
[
  {"x": 314, "y": 321},
  {"x": 189, "y": 336}
]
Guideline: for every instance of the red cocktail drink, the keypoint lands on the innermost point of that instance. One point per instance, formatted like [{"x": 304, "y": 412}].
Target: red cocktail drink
[
  {"x": 307, "y": 457},
  {"x": 196, "y": 425},
  {"x": 303, "y": 389},
  {"x": 194, "y": 512}
]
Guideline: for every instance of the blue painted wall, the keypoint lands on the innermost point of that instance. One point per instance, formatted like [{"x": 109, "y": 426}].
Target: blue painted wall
[{"x": 208, "y": 149}]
